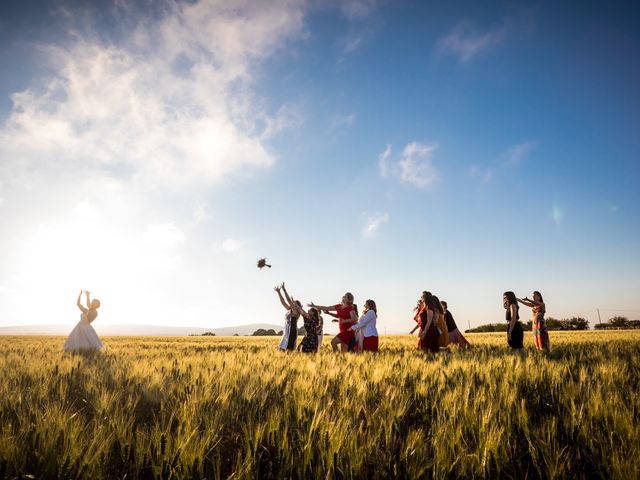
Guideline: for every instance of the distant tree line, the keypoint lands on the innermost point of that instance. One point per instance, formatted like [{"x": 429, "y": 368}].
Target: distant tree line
[
  {"x": 618, "y": 323},
  {"x": 574, "y": 323},
  {"x": 261, "y": 332}
]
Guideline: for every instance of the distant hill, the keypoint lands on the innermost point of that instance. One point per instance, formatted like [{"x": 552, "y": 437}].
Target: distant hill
[{"x": 135, "y": 330}]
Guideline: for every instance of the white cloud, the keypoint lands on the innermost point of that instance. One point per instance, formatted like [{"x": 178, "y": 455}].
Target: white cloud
[
  {"x": 231, "y": 245},
  {"x": 383, "y": 168},
  {"x": 519, "y": 152},
  {"x": 125, "y": 109},
  {"x": 464, "y": 42},
  {"x": 415, "y": 165},
  {"x": 287, "y": 117},
  {"x": 373, "y": 224},
  {"x": 362, "y": 23}
]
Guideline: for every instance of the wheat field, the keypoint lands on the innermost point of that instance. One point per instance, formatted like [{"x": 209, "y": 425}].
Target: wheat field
[{"x": 207, "y": 407}]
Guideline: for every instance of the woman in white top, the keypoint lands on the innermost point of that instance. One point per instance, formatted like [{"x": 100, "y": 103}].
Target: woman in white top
[
  {"x": 83, "y": 336},
  {"x": 366, "y": 328},
  {"x": 290, "y": 331}
]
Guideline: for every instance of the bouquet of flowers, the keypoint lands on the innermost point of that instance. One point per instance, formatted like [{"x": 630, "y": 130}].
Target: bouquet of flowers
[{"x": 263, "y": 263}]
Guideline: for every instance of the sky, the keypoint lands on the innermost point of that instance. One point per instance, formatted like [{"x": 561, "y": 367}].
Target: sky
[{"x": 153, "y": 151}]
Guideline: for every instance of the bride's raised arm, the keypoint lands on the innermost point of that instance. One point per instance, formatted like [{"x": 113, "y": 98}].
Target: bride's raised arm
[
  {"x": 87, "y": 293},
  {"x": 84, "y": 310}
]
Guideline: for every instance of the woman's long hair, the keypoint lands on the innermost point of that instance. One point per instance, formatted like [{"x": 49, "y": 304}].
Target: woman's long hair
[
  {"x": 539, "y": 294},
  {"x": 511, "y": 298},
  {"x": 371, "y": 305},
  {"x": 435, "y": 304}
]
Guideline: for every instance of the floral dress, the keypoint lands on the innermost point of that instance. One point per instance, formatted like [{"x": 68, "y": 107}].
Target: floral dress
[
  {"x": 539, "y": 328},
  {"x": 309, "y": 343}
]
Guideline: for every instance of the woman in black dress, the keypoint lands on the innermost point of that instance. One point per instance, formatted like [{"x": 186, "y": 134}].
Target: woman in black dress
[
  {"x": 309, "y": 343},
  {"x": 515, "y": 334}
]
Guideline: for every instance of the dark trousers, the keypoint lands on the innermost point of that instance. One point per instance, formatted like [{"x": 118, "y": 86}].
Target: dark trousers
[{"x": 517, "y": 336}]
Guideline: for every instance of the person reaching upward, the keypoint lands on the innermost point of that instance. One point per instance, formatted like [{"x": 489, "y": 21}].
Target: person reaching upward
[{"x": 83, "y": 336}]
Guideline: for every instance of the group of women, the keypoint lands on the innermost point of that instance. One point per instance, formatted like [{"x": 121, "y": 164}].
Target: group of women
[
  {"x": 435, "y": 324},
  {"x": 355, "y": 334}
]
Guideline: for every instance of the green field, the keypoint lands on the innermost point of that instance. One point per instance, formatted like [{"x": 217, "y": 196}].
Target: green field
[{"x": 202, "y": 407}]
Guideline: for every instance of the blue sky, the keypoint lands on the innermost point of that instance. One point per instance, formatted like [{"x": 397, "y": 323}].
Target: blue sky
[{"x": 152, "y": 152}]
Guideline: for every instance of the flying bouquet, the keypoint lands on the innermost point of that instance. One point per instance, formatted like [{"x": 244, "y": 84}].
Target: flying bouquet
[{"x": 263, "y": 263}]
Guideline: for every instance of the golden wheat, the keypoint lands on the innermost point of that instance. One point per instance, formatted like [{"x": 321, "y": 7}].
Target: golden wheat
[{"x": 203, "y": 407}]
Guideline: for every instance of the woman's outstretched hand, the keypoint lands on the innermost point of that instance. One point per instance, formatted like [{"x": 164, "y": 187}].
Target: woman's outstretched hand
[{"x": 276, "y": 288}]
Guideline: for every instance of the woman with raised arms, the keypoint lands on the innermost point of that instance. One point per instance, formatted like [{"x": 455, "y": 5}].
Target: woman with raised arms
[
  {"x": 290, "y": 332},
  {"x": 346, "y": 316},
  {"x": 83, "y": 336},
  {"x": 309, "y": 343},
  {"x": 539, "y": 326}
]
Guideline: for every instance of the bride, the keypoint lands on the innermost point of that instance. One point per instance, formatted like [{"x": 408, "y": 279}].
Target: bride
[{"x": 83, "y": 336}]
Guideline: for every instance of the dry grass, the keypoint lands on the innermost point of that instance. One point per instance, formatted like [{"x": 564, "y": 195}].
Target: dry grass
[{"x": 236, "y": 407}]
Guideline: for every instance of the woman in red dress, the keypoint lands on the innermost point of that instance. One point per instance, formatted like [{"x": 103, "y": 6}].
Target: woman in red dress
[
  {"x": 346, "y": 316},
  {"x": 426, "y": 317}
]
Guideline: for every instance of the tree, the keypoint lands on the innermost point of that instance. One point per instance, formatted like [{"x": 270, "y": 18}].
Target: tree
[
  {"x": 261, "y": 332},
  {"x": 577, "y": 323},
  {"x": 489, "y": 327},
  {"x": 554, "y": 324},
  {"x": 619, "y": 322}
]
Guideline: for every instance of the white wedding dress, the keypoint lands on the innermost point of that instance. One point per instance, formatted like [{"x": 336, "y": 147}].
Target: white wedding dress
[{"x": 83, "y": 336}]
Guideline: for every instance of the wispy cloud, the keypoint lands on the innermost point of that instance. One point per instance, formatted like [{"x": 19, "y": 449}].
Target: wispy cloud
[
  {"x": 170, "y": 103},
  {"x": 373, "y": 224},
  {"x": 383, "y": 167},
  {"x": 358, "y": 9},
  {"x": 465, "y": 42},
  {"x": 517, "y": 153},
  {"x": 413, "y": 166},
  {"x": 362, "y": 23}
]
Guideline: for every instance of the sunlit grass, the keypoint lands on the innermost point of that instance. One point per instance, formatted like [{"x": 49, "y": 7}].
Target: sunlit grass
[{"x": 207, "y": 407}]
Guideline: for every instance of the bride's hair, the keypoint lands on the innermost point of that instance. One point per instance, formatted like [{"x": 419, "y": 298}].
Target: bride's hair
[{"x": 95, "y": 303}]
